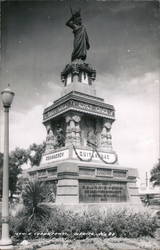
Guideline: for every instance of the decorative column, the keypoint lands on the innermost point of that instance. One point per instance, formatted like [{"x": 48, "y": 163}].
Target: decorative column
[
  {"x": 6, "y": 242},
  {"x": 77, "y": 119},
  {"x": 73, "y": 131}
]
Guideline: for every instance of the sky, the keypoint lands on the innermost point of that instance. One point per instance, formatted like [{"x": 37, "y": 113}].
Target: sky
[{"x": 124, "y": 38}]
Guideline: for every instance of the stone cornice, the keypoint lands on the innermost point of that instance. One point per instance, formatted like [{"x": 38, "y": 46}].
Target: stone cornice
[
  {"x": 80, "y": 95},
  {"x": 79, "y": 103}
]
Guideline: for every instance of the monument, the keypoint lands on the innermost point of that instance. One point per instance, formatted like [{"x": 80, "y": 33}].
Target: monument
[{"x": 79, "y": 163}]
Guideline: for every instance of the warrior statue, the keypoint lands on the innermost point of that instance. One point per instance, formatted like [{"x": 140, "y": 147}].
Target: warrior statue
[{"x": 81, "y": 41}]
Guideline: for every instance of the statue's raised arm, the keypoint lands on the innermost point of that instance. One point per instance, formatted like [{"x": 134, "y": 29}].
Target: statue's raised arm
[
  {"x": 81, "y": 40},
  {"x": 70, "y": 23}
]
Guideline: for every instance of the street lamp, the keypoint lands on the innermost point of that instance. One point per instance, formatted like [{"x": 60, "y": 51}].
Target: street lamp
[{"x": 6, "y": 242}]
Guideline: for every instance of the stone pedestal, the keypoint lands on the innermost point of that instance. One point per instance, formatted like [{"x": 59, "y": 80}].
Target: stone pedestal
[
  {"x": 78, "y": 77},
  {"x": 88, "y": 180},
  {"x": 80, "y": 160},
  {"x": 67, "y": 191}
]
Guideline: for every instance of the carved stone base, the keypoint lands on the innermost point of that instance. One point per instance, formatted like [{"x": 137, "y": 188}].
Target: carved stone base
[
  {"x": 88, "y": 181},
  {"x": 78, "y": 77}
]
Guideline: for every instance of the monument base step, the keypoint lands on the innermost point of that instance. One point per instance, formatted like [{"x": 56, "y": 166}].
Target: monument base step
[{"x": 99, "y": 206}]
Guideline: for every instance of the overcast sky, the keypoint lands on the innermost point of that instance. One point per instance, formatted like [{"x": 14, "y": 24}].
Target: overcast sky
[{"x": 124, "y": 38}]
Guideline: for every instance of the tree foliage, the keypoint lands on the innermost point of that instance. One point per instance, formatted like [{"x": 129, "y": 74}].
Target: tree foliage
[
  {"x": 35, "y": 153},
  {"x": 17, "y": 158},
  {"x": 21, "y": 182},
  {"x": 155, "y": 175}
]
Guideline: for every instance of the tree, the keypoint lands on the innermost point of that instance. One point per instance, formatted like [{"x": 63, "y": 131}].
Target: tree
[
  {"x": 155, "y": 174},
  {"x": 16, "y": 159},
  {"x": 35, "y": 153}
]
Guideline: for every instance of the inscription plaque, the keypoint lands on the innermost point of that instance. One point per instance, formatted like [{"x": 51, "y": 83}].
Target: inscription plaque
[
  {"x": 102, "y": 191},
  {"x": 56, "y": 156}
]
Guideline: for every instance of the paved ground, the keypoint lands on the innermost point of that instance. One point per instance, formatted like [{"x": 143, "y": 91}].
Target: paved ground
[{"x": 95, "y": 244}]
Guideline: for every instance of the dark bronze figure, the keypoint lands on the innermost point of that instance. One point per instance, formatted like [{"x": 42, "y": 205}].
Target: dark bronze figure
[{"x": 81, "y": 41}]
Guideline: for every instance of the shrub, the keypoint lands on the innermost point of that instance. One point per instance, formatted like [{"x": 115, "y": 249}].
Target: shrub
[
  {"x": 120, "y": 223},
  {"x": 66, "y": 223},
  {"x": 33, "y": 196},
  {"x": 132, "y": 224},
  {"x": 28, "y": 220}
]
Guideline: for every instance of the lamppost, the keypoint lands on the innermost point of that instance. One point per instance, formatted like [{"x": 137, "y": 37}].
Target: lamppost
[{"x": 6, "y": 242}]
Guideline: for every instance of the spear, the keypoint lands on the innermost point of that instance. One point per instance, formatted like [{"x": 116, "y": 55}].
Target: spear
[{"x": 70, "y": 8}]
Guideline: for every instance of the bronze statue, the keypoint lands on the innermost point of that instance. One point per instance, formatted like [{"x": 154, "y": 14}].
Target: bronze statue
[{"x": 81, "y": 41}]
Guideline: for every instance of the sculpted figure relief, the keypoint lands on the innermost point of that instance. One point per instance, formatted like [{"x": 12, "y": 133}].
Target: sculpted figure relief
[
  {"x": 50, "y": 140},
  {"x": 55, "y": 138},
  {"x": 60, "y": 137},
  {"x": 81, "y": 40},
  {"x": 92, "y": 138},
  {"x": 106, "y": 137}
]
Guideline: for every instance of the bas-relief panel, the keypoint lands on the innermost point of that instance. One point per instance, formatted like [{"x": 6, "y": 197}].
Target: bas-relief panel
[{"x": 91, "y": 128}]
